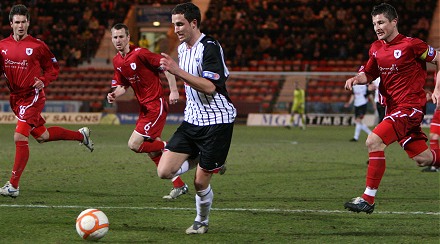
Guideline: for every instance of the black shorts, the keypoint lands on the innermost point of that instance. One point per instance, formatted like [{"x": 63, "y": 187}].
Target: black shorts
[
  {"x": 359, "y": 112},
  {"x": 211, "y": 142}
]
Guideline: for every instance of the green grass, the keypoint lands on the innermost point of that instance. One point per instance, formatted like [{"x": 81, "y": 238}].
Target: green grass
[{"x": 281, "y": 186}]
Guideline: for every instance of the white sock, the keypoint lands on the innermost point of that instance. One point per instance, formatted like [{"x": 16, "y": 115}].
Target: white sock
[
  {"x": 370, "y": 192},
  {"x": 183, "y": 168},
  {"x": 204, "y": 200},
  {"x": 365, "y": 128},
  {"x": 357, "y": 130}
]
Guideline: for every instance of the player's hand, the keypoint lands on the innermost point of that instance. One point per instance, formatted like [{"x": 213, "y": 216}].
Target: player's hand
[
  {"x": 436, "y": 98},
  {"x": 174, "y": 97},
  {"x": 39, "y": 84},
  {"x": 111, "y": 97},
  {"x": 350, "y": 82},
  {"x": 428, "y": 96},
  {"x": 168, "y": 64}
]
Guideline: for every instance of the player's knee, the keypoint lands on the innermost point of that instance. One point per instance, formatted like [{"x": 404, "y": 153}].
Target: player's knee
[
  {"x": 423, "y": 159},
  {"x": 374, "y": 143},
  {"x": 133, "y": 146},
  {"x": 40, "y": 139},
  {"x": 164, "y": 173}
]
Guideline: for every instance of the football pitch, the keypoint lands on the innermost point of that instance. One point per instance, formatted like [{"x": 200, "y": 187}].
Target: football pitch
[{"x": 281, "y": 186}]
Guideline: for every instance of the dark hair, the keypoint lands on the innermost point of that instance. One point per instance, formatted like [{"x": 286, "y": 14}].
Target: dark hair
[
  {"x": 386, "y": 9},
  {"x": 119, "y": 26},
  {"x": 19, "y": 9},
  {"x": 190, "y": 12}
]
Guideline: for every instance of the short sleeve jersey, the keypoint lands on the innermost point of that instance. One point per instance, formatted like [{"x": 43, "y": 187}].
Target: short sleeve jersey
[
  {"x": 401, "y": 66},
  {"x": 139, "y": 69},
  {"x": 22, "y": 61},
  {"x": 205, "y": 59}
]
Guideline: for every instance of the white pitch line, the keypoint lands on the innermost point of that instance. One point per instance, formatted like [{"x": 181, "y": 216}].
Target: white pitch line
[{"x": 270, "y": 210}]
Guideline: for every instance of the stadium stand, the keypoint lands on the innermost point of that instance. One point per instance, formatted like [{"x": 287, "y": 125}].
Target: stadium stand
[{"x": 261, "y": 35}]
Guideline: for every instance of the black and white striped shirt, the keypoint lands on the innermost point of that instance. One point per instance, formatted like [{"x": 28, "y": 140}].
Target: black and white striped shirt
[{"x": 205, "y": 59}]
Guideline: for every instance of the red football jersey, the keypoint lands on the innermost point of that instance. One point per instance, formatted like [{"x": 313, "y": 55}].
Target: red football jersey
[
  {"x": 140, "y": 70},
  {"x": 23, "y": 60},
  {"x": 401, "y": 65}
]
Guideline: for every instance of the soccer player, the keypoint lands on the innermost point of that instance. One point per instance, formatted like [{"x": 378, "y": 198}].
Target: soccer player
[
  {"x": 434, "y": 134},
  {"x": 359, "y": 98},
  {"x": 204, "y": 137},
  {"x": 298, "y": 107},
  {"x": 29, "y": 66},
  {"x": 400, "y": 62},
  {"x": 139, "y": 69}
]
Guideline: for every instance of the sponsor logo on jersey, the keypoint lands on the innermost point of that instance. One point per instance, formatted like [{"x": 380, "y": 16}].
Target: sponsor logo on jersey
[
  {"x": 133, "y": 66},
  {"x": 198, "y": 61},
  {"x": 29, "y": 51},
  {"x": 397, "y": 53},
  {"x": 120, "y": 69},
  {"x": 210, "y": 75},
  {"x": 5, "y": 51},
  {"x": 113, "y": 83},
  {"x": 54, "y": 60}
]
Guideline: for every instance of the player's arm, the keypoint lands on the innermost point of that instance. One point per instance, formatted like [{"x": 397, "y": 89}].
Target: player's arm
[
  {"x": 174, "y": 92},
  {"x": 200, "y": 84},
  {"x": 436, "y": 94},
  {"x": 50, "y": 67},
  {"x": 360, "y": 79},
  {"x": 119, "y": 86},
  {"x": 117, "y": 92}
]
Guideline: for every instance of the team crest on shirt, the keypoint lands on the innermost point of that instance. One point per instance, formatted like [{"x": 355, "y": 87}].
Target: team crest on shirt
[
  {"x": 197, "y": 61},
  {"x": 133, "y": 66},
  {"x": 29, "y": 51},
  {"x": 431, "y": 51},
  {"x": 397, "y": 53}
]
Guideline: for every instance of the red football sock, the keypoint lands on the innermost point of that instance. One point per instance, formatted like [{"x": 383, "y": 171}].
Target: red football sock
[
  {"x": 156, "y": 159},
  {"x": 151, "y": 146},
  {"x": 21, "y": 159},
  {"x": 433, "y": 144},
  {"x": 178, "y": 182},
  {"x": 57, "y": 133},
  {"x": 436, "y": 157},
  {"x": 375, "y": 172}
]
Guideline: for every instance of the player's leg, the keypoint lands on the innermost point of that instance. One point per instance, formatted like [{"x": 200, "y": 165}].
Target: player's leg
[
  {"x": 21, "y": 139},
  {"x": 57, "y": 133},
  {"x": 213, "y": 156},
  {"x": 204, "y": 198},
  {"x": 376, "y": 167},
  {"x": 419, "y": 152},
  {"x": 142, "y": 143},
  {"x": 434, "y": 139}
]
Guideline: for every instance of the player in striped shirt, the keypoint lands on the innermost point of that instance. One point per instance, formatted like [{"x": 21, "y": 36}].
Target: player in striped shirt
[{"x": 204, "y": 137}]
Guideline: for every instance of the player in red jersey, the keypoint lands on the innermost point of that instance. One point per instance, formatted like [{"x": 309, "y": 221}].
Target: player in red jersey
[
  {"x": 434, "y": 135},
  {"x": 139, "y": 69},
  {"x": 400, "y": 62},
  {"x": 29, "y": 66}
]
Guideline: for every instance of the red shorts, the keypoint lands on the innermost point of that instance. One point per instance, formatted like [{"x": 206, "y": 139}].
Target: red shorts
[
  {"x": 152, "y": 120},
  {"x": 27, "y": 107},
  {"x": 435, "y": 123},
  {"x": 403, "y": 125}
]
